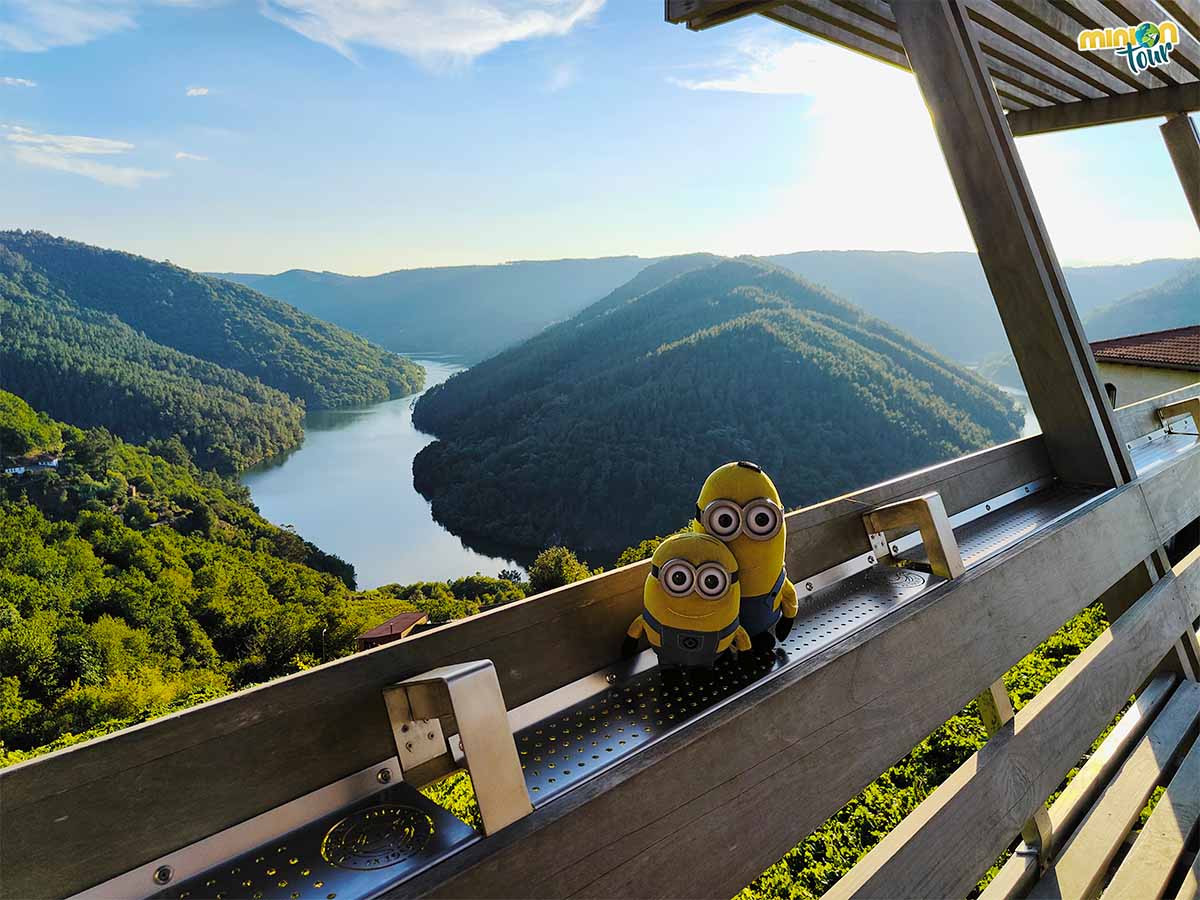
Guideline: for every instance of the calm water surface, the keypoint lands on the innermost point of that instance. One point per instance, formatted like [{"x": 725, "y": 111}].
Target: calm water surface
[{"x": 349, "y": 490}]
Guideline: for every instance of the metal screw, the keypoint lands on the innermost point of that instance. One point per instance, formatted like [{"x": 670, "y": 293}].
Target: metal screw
[
  {"x": 408, "y": 746},
  {"x": 429, "y": 736},
  {"x": 163, "y": 875},
  {"x": 404, "y": 727},
  {"x": 611, "y": 677},
  {"x": 808, "y": 585},
  {"x": 383, "y": 776},
  {"x": 895, "y": 548},
  {"x": 988, "y": 507},
  {"x": 871, "y": 559}
]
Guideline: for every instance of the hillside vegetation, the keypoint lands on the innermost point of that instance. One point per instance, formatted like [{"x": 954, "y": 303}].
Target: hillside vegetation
[
  {"x": 597, "y": 431},
  {"x": 1172, "y": 304},
  {"x": 133, "y": 583},
  {"x": 150, "y": 351},
  {"x": 469, "y": 311}
]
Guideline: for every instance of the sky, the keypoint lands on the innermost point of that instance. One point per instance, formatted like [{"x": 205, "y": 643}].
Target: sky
[{"x": 363, "y": 136}]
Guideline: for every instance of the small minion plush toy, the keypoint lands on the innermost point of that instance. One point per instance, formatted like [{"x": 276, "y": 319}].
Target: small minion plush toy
[
  {"x": 690, "y": 603},
  {"x": 740, "y": 506}
]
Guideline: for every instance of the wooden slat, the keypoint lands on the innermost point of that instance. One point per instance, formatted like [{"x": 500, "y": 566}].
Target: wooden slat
[
  {"x": 1125, "y": 108},
  {"x": 1061, "y": 23},
  {"x": 1190, "y": 889},
  {"x": 1015, "y": 250},
  {"x": 1185, "y": 12},
  {"x": 1185, "y": 58},
  {"x": 796, "y": 18},
  {"x": 330, "y": 721},
  {"x": 675, "y": 821},
  {"x": 1079, "y": 871},
  {"x": 1146, "y": 871},
  {"x": 1175, "y": 501},
  {"x": 729, "y": 14},
  {"x": 1018, "y": 874},
  {"x": 945, "y": 845},
  {"x": 682, "y": 10},
  {"x": 1135, "y": 420}
]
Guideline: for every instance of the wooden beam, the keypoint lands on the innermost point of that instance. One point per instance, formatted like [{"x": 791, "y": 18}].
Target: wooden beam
[
  {"x": 1183, "y": 143},
  {"x": 1185, "y": 58},
  {"x": 1019, "y": 873},
  {"x": 1135, "y": 420},
  {"x": 331, "y": 720},
  {"x": 1023, "y": 272},
  {"x": 676, "y": 823},
  {"x": 945, "y": 845},
  {"x": 1145, "y": 872},
  {"x": 1079, "y": 871},
  {"x": 796, "y": 18},
  {"x": 1163, "y": 101}
]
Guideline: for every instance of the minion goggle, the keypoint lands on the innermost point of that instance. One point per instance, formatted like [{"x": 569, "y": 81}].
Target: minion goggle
[
  {"x": 759, "y": 520},
  {"x": 680, "y": 578}
]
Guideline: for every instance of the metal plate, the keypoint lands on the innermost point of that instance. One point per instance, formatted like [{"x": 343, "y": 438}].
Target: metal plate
[
  {"x": 1008, "y": 525},
  {"x": 574, "y": 744},
  {"x": 359, "y": 851},
  {"x": 1151, "y": 454}
]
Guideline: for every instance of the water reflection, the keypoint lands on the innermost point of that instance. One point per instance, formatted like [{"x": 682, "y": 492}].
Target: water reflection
[{"x": 348, "y": 489}]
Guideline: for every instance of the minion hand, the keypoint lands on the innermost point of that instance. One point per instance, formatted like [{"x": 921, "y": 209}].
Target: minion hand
[
  {"x": 783, "y": 628},
  {"x": 633, "y": 636},
  {"x": 741, "y": 640}
]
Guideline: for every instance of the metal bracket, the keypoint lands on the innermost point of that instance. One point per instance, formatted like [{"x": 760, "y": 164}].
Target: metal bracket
[
  {"x": 1191, "y": 406},
  {"x": 928, "y": 514},
  {"x": 465, "y": 699}
]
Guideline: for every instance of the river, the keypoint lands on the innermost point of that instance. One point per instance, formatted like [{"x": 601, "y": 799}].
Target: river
[{"x": 348, "y": 489}]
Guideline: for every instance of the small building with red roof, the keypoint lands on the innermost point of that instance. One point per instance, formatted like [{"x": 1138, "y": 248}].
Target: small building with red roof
[
  {"x": 1146, "y": 365},
  {"x": 392, "y": 630}
]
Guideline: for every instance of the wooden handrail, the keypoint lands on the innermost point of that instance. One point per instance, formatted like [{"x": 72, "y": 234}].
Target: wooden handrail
[{"x": 1142, "y": 417}]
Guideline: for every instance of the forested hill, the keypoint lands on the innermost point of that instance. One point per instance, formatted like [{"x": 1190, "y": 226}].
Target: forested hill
[
  {"x": 598, "y": 431},
  {"x": 1172, "y": 304},
  {"x": 471, "y": 311},
  {"x": 150, "y": 350}
]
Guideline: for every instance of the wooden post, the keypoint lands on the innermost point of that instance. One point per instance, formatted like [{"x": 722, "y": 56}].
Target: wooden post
[
  {"x": 1022, "y": 270},
  {"x": 1183, "y": 143}
]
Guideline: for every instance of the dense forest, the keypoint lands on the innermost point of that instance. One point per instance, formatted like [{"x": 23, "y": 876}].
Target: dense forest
[
  {"x": 152, "y": 351},
  {"x": 599, "y": 430},
  {"x": 133, "y": 583}
]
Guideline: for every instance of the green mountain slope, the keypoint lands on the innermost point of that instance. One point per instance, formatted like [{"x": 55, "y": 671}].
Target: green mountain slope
[
  {"x": 598, "y": 431},
  {"x": 150, "y": 350},
  {"x": 470, "y": 311},
  {"x": 1172, "y": 304}
]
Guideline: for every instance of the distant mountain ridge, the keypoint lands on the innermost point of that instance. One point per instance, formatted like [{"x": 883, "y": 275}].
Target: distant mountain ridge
[
  {"x": 941, "y": 299},
  {"x": 597, "y": 431},
  {"x": 1171, "y": 304},
  {"x": 150, "y": 351}
]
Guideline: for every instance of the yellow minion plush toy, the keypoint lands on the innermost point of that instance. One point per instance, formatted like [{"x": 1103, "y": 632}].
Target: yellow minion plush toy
[
  {"x": 690, "y": 602},
  {"x": 740, "y": 506}
]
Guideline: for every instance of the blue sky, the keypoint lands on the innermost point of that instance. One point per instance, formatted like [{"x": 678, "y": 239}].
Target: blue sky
[{"x": 363, "y": 136}]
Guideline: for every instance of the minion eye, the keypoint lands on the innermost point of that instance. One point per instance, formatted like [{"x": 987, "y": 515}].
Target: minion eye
[
  {"x": 722, "y": 519},
  {"x": 712, "y": 581},
  {"x": 763, "y": 520},
  {"x": 677, "y": 577}
]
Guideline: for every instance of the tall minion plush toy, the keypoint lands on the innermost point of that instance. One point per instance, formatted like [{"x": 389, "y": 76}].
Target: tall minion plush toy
[
  {"x": 690, "y": 603},
  {"x": 740, "y": 506}
]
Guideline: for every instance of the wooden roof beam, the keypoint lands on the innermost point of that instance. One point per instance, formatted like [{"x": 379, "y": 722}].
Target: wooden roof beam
[
  {"x": 1186, "y": 54},
  {"x": 1163, "y": 101}
]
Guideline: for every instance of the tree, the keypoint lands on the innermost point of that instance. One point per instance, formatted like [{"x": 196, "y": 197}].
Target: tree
[{"x": 556, "y": 566}]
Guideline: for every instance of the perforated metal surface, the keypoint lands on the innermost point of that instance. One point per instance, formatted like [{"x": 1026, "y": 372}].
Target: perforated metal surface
[
  {"x": 357, "y": 852},
  {"x": 1006, "y": 526},
  {"x": 581, "y": 741},
  {"x": 1163, "y": 449}
]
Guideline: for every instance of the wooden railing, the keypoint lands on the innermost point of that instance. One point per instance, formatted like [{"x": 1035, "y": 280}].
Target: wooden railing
[{"x": 673, "y": 820}]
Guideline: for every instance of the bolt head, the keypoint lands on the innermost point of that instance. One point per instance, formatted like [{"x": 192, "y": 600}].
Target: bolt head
[
  {"x": 163, "y": 875},
  {"x": 611, "y": 678},
  {"x": 408, "y": 746},
  {"x": 429, "y": 736},
  {"x": 384, "y": 776}
]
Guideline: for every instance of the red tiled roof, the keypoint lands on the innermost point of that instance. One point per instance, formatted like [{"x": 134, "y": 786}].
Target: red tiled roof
[
  {"x": 1177, "y": 348},
  {"x": 395, "y": 625}
]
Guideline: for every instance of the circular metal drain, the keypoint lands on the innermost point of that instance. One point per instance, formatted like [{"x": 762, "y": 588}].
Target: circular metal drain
[{"x": 377, "y": 837}]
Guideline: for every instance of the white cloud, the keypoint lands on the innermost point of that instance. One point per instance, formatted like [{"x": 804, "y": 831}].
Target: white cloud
[
  {"x": 875, "y": 178},
  {"x": 9, "y": 81},
  {"x": 75, "y": 154},
  {"x": 195, "y": 156},
  {"x": 435, "y": 33},
  {"x": 873, "y": 173},
  {"x": 197, "y": 92},
  {"x": 34, "y": 25}
]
